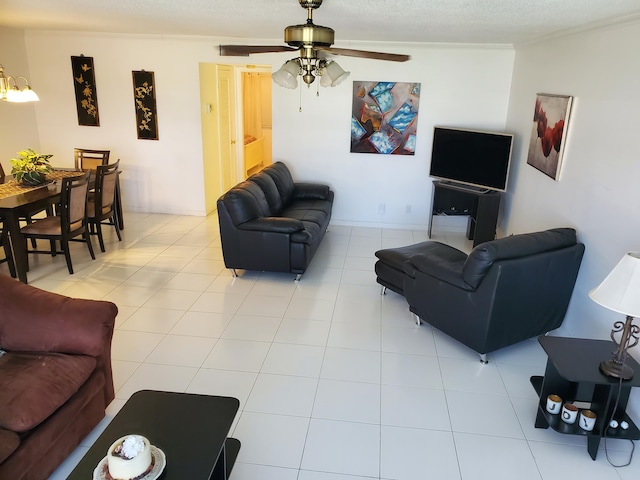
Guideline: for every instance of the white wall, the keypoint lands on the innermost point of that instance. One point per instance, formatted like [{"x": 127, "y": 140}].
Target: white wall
[
  {"x": 467, "y": 86},
  {"x": 598, "y": 188}
]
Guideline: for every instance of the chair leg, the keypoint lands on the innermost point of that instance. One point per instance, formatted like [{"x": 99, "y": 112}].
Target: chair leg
[
  {"x": 67, "y": 254},
  {"x": 28, "y": 219},
  {"x": 114, "y": 219},
  {"x": 98, "y": 226},
  {"x": 9, "y": 256},
  {"x": 87, "y": 238}
]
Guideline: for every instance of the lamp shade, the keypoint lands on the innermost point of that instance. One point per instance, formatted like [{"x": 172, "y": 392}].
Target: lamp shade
[
  {"x": 620, "y": 291},
  {"x": 29, "y": 95},
  {"x": 333, "y": 75},
  {"x": 287, "y": 76}
]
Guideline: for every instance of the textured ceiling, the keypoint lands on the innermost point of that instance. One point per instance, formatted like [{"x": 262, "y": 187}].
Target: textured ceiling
[{"x": 450, "y": 21}]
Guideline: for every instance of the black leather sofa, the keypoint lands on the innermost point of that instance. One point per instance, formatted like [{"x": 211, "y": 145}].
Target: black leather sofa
[
  {"x": 503, "y": 292},
  {"x": 271, "y": 223}
]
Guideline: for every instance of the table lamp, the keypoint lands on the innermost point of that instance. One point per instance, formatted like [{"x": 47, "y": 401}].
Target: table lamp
[{"x": 620, "y": 292}]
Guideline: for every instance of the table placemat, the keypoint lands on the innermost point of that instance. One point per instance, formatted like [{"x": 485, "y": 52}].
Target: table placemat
[{"x": 13, "y": 187}]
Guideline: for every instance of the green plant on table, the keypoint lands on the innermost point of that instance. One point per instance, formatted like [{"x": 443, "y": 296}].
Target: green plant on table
[{"x": 30, "y": 167}]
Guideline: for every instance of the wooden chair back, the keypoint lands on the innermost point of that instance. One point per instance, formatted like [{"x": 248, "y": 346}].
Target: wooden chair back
[{"x": 86, "y": 159}]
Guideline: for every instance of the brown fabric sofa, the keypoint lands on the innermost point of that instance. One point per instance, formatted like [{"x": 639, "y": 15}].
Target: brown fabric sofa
[{"x": 55, "y": 376}]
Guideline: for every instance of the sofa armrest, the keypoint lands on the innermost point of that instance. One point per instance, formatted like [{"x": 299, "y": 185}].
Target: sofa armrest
[
  {"x": 445, "y": 266},
  {"x": 273, "y": 224},
  {"x": 34, "y": 320},
  {"x": 311, "y": 191}
]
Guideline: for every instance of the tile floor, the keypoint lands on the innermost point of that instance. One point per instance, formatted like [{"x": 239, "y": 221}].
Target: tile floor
[{"x": 335, "y": 381}]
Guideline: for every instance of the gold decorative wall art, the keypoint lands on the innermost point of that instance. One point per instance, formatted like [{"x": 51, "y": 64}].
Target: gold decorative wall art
[
  {"x": 144, "y": 93},
  {"x": 84, "y": 83}
]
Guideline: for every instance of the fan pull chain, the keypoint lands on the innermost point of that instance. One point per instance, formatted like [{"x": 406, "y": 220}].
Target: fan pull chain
[{"x": 300, "y": 99}]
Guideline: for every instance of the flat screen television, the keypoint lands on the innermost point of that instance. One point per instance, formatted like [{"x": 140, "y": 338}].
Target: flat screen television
[{"x": 471, "y": 157}]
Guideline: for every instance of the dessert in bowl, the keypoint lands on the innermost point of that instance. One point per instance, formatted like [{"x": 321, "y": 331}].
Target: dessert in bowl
[{"x": 129, "y": 458}]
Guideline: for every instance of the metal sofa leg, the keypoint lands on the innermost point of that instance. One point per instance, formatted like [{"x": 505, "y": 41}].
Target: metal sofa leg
[
  {"x": 233, "y": 272},
  {"x": 483, "y": 358},
  {"x": 418, "y": 319},
  {"x": 383, "y": 290},
  {"x": 298, "y": 277}
]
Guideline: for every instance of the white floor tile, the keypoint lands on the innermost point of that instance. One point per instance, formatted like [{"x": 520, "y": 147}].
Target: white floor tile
[
  {"x": 223, "y": 383},
  {"x": 411, "y": 453},
  {"x": 303, "y": 332},
  {"x": 241, "y": 355},
  {"x": 217, "y": 302},
  {"x": 342, "y": 447},
  {"x": 359, "y": 336},
  {"x": 133, "y": 346},
  {"x": 271, "y": 440},
  {"x": 264, "y": 305},
  {"x": 297, "y": 360},
  {"x": 414, "y": 407},
  {"x": 471, "y": 376},
  {"x": 351, "y": 365},
  {"x": 348, "y": 401},
  {"x": 182, "y": 351},
  {"x": 411, "y": 370},
  {"x": 247, "y": 471},
  {"x": 282, "y": 395},
  {"x": 495, "y": 458},
  {"x": 155, "y": 320},
  {"x": 190, "y": 281},
  {"x": 310, "y": 309},
  {"x": 409, "y": 339},
  {"x": 172, "y": 299},
  {"x": 249, "y": 327},
  {"x": 201, "y": 324},
  {"x": 483, "y": 414},
  {"x": 563, "y": 461},
  {"x": 168, "y": 378}
]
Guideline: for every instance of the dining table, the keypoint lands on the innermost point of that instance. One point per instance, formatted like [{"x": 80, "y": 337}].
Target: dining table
[{"x": 18, "y": 200}]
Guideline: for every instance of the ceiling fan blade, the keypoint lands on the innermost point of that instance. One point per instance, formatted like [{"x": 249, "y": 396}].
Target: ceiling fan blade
[
  {"x": 347, "y": 52},
  {"x": 246, "y": 50}
]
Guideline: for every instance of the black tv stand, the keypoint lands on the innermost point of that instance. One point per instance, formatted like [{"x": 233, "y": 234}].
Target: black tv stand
[
  {"x": 464, "y": 187},
  {"x": 482, "y": 207}
]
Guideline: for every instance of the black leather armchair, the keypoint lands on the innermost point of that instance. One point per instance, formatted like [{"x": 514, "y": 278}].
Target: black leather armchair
[{"x": 503, "y": 292}]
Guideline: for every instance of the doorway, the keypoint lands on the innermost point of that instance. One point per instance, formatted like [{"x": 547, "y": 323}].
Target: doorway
[{"x": 236, "y": 125}]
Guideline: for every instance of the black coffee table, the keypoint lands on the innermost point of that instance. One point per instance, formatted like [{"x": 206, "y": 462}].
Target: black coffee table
[{"x": 190, "y": 429}]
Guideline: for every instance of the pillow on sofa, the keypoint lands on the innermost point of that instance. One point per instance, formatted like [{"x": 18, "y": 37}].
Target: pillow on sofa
[{"x": 33, "y": 386}]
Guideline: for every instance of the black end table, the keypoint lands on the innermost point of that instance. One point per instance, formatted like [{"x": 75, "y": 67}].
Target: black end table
[
  {"x": 190, "y": 429},
  {"x": 573, "y": 373}
]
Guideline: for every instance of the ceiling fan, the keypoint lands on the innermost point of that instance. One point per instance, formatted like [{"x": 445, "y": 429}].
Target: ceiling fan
[{"x": 309, "y": 39}]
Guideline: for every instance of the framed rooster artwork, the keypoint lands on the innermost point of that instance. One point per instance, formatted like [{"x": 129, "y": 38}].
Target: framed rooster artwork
[{"x": 549, "y": 132}]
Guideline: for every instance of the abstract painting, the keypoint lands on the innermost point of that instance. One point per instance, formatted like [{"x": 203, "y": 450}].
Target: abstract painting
[
  {"x": 84, "y": 82},
  {"x": 144, "y": 93},
  {"x": 548, "y": 133},
  {"x": 384, "y": 117}
]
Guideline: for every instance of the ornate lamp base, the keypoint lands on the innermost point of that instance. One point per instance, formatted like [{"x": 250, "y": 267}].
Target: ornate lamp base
[{"x": 615, "y": 369}]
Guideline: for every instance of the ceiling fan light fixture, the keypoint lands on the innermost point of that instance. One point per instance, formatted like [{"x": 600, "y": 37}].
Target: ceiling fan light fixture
[
  {"x": 333, "y": 75},
  {"x": 287, "y": 75}
]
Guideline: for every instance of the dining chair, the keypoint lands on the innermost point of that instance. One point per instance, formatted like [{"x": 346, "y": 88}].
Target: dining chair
[
  {"x": 70, "y": 222},
  {"x": 27, "y": 217},
  {"x": 87, "y": 159},
  {"x": 8, "y": 255},
  {"x": 101, "y": 209}
]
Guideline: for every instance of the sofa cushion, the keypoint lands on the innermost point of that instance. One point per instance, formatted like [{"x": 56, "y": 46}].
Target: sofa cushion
[
  {"x": 316, "y": 216},
  {"x": 9, "y": 441},
  {"x": 482, "y": 257},
  {"x": 270, "y": 190},
  {"x": 310, "y": 235},
  {"x": 283, "y": 180},
  {"x": 245, "y": 202},
  {"x": 34, "y": 385}
]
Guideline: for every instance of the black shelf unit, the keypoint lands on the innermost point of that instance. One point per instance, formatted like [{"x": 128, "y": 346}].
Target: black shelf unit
[
  {"x": 573, "y": 373},
  {"x": 482, "y": 207}
]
